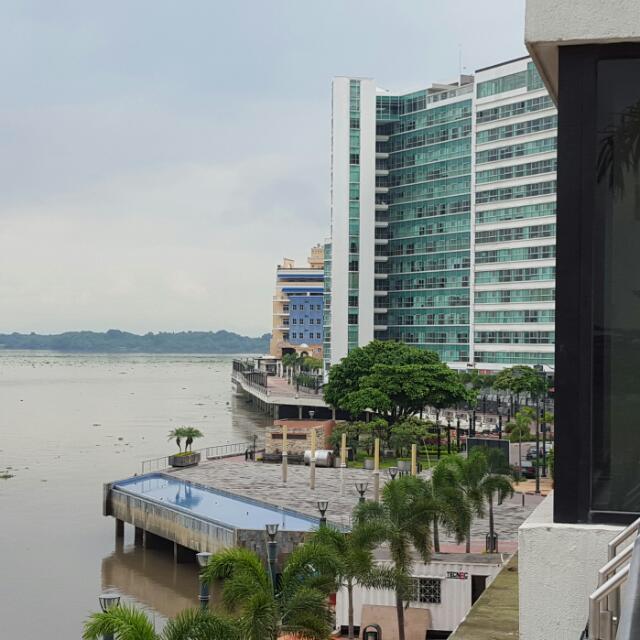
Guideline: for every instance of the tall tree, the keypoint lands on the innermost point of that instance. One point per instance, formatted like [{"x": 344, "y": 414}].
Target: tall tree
[
  {"x": 454, "y": 511},
  {"x": 392, "y": 379},
  {"x": 495, "y": 482},
  {"x": 402, "y": 519},
  {"x": 464, "y": 476},
  {"x": 297, "y": 604},
  {"x": 522, "y": 379},
  {"x": 354, "y": 559}
]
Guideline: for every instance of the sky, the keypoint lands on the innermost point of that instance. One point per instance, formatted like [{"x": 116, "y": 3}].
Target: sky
[{"x": 158, "y": 159}]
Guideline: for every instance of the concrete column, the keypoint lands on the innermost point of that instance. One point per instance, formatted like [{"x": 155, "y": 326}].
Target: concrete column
[
  {"x": 139, "y": 536},
  {"x": 276, "y": 412},
  {"x": 300, "y": 413},
  {"x": 333, "y": 413},
  {"x": 119, "y": 528}
]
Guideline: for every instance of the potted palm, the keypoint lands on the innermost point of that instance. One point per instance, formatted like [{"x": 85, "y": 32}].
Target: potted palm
[{"x": 188, "y": 457}]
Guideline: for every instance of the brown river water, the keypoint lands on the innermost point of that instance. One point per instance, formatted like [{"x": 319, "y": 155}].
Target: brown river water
[{"x": 69, "y": 423}]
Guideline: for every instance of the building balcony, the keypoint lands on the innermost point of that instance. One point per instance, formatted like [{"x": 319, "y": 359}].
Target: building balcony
[
  {"x": 381, "y": 155},
  {"x": 382, "y": 172},
  {"x": 382, "y": 206},
  {"x": 382, "y": 189}
]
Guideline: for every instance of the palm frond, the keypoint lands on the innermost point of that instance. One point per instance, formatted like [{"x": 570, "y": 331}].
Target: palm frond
[
  {"x": 123, "y": 622},
  {"x": 227, "y": 562},
  {"x": 259, "y": 619},
  {"x": 196, "y": 624}
]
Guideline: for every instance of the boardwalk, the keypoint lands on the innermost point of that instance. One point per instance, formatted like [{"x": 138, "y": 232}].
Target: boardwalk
[{"x": 264, "y": 482}]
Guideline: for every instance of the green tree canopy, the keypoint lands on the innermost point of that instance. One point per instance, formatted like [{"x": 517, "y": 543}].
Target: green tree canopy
[
  {"x": 393, "y": 380},
  {"x": 407, "y": 432},
  {"x": 522, "y": 379}
]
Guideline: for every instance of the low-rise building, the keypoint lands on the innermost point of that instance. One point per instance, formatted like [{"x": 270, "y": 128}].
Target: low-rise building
[
  {"x": 298, "y": 307},
  {"x": 444, "y": 590},
  {"x": 298, "y": 435}
]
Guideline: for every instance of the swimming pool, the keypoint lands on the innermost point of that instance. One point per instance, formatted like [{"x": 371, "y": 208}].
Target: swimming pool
[{"x": 227, "y": 509}]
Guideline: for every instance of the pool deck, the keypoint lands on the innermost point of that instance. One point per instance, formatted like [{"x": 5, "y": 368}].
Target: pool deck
[{"x": 263, "y": 482}]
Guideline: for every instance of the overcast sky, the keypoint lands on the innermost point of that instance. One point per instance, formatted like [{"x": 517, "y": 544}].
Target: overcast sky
[{"x": 159, "y": 158}]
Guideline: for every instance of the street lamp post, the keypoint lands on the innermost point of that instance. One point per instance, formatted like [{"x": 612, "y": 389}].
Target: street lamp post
[
  {"x": 393, "y": 472},
  {"x": 458, "y": 434},
  {"x": 203, "y": 561},
  {"x": 361, "y": 488},
  {"x": 544, "y": 446},
  {"x": 323, "y": 505},
  {"x": 108, "y": 601},
  {"x": 438, "y": 431},
  {"x": 272, "y": 549},
  {"x": 449, "y": 436}
]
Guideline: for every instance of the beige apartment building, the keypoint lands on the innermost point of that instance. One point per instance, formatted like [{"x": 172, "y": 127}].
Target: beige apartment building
[{"x": 298, "y": 306}]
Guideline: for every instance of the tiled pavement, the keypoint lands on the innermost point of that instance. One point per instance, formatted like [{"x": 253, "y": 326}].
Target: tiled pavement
[{"x": 264, "y": 482}]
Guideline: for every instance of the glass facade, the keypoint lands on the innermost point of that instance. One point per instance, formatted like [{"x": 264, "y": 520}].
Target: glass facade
[
  {"x": 354, "y": 209},
  {"x": 429, "y": 222},
  {"x": 464, "y": 215}
]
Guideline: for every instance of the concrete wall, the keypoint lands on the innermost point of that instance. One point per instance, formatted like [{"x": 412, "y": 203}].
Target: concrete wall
[
  {"x": 559, "y": 565},
  {"x": 170, "y": 524}
]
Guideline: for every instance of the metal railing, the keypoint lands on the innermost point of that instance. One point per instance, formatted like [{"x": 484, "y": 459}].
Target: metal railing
[
  {"x": 606, "y": 621},
  {"x": 209, "y": 453}
]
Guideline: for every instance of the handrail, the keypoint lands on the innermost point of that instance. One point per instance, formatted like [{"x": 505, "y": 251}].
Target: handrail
[
  {"x": 629, "y": 624},
  {"x": 218, "y": 451},
  {"x": 634, "y": 527},
  {"x": 613, "y": 584}
]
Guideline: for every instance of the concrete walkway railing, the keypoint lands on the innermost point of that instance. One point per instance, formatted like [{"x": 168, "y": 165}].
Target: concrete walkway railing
[{"x": 209, "y": 453}]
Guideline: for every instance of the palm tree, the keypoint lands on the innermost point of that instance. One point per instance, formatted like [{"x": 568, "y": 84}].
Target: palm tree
[
  {"x": 453, "y": 511},
  {"x": 190, "y": 433},
  {"x": 403, "y": 520},
  {"x": 177, "y": 434},
  {"x": 464, "y": 477},
  {"x": 127, "y": 623},
  {"x": 354, "y": 560},
  {"x": 491, "y": 484},
  {"x": 297, "y": 604}
]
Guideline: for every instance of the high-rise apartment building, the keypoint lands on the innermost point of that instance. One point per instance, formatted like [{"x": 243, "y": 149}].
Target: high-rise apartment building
[
  {"x": 427, "y": 246},
  {"x": 298, "y": 306},
  {"x": 514, "y": 224}
]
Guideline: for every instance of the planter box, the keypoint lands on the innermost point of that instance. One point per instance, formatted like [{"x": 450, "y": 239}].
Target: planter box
[
  {"x": 404, "y": 465},
  {"x": 369, "y": 464},
  {"x": 185, "y": 461}
]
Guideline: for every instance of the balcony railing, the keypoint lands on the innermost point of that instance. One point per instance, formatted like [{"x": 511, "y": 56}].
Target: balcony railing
[{"x": 607, "y": 619}]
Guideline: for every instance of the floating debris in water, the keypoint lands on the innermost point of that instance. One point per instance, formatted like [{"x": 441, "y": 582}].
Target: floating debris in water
[{"x": 6, "y": 476}]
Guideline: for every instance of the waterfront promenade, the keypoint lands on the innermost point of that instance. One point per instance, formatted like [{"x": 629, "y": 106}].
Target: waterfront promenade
[
  {"x": 263, "y": 482},
  {"x": 280, "y": 399}
]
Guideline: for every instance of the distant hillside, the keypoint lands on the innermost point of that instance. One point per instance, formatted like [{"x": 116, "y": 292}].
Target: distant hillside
[{"x": 114, "y": 341}]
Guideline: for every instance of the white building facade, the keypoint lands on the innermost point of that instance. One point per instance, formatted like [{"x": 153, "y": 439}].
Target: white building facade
[
  {"x": 444, "y": 589},
  {"x": 514, "y": 223}
]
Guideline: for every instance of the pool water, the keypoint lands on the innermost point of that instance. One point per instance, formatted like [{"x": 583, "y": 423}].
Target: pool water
[{"x": 232, "y": 511}]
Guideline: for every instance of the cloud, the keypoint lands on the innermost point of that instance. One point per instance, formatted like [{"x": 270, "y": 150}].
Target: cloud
[{"x": 190, "y": 246}]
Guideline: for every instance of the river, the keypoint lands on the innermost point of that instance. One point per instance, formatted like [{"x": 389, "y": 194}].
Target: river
[{"x": 69, "y": 423}]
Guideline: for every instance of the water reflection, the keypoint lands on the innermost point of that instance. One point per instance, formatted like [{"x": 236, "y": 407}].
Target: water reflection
[{"x": 151, "y": 578}]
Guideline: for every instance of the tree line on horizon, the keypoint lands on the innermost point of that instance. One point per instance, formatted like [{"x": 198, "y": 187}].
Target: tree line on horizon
[{"x": 115, "y": 341}]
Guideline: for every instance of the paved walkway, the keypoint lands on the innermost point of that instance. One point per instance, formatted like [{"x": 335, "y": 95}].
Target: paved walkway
[{"x": 263, "y": 482}]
